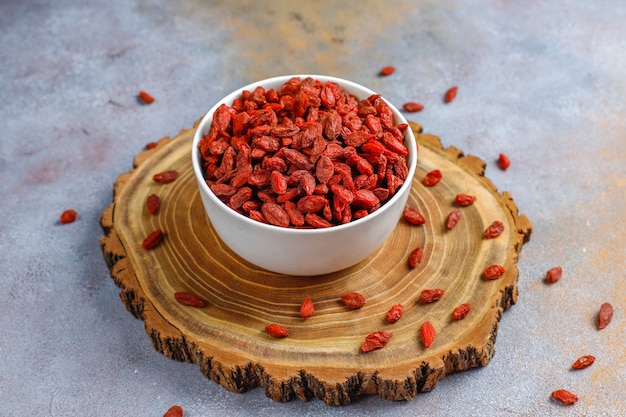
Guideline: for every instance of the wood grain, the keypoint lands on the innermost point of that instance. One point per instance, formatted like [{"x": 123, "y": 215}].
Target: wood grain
[{"x": 321, "y": 357}]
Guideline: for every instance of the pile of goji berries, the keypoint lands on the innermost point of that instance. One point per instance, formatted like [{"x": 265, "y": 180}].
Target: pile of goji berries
[{"x": 306, "y": 155}]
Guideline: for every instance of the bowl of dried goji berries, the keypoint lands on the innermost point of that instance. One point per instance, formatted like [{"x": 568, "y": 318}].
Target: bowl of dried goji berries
[{"x": 304, "y": 174}]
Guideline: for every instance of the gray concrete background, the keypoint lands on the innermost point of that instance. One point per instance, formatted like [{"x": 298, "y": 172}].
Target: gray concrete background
[{"x": 543, "y": 82}]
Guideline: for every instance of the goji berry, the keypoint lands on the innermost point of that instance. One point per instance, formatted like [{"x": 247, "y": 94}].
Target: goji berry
[
  {"x": 412, "y": 216},
  {"x": 68, "y": 216},
  {"x": 554, "y": 274},
  {"x": 493, "y": 272},
  {"x": 276, "y": 330},
  {"x": 153, "y": 203},
  {"x": 495, "y": 229},
  {"x": 583, "y": 362},
  {"x": 189, "y": 300},
  {"x": 605, "y": 315},
  {"x": 353, "y": 300},
  {"x": 151, "y": 145},
  {"x": 464, "y": 200},
  {"x": 153, "y": 239},
  {"x": 453, "y": 219},
  {"x": 174, "y": 411},
  {"x": 461, "y": 311},
  {"x": 412, "y": 107},
  {"x": 307, "y": 308},
  {"x": 387, "y": 70},
  {"x": 503, "y": 162},
  {"x": 432, "y": 178},
  {"x": 165, "y": 176},
  {"x": 415, "y": 257},
  {"x": 376, "y": 340},
  {"x": 428, "y": 334},
  {"x": 450, "y": 94},
  {"x": 145, "y": 97},
  {"x": 395, "y": 313},
  {"x": 431, "y": 295},
  {"x": 564, "y": 396}
]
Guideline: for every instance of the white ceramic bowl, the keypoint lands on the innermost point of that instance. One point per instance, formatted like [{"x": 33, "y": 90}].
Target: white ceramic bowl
[{"x": 303, "y": 252}]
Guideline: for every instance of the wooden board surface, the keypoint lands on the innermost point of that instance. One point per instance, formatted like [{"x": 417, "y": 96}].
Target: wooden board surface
[{"x": 321, "y": 357}]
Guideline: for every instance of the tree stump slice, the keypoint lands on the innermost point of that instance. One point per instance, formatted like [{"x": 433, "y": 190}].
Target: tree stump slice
[{"x": 321, "y": 358}]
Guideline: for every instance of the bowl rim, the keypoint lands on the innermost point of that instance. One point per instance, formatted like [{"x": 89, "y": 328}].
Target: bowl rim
[{"x": 208, "y": 117}]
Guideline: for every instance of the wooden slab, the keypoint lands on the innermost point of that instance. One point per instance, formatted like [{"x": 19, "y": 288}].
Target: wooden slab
[{"x": 321, "y": 357}]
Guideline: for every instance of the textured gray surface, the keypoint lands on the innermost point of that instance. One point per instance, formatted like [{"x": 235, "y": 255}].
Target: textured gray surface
[{"x": 543, "y": 82}]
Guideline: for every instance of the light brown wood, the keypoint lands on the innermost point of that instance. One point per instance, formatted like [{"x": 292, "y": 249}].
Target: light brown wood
[{"x": 321, "y": 357}]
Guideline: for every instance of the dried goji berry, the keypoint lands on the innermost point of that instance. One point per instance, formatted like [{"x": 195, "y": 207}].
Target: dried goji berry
[
  {"x": 583, "y": 362},
  {"x": 145, "y": 97},
  {"x": 431, "y": 295},
  {"x": 375, "y": 341},
  {"x": 415, "y": 257},
  {"x": 453, "y": 219},
  {"x": 495, "y": 229},
  {"x": 503, "y": 162},
  {"x": 151, "y": 145},
  {"x": 428, "y": 334},
  {"x": 68, "y": 216},
  {"x": 450, "y": 94},
  {"x": 174, "y": 411},
  {"x": 412, "y": 216},
  {"x": 493, "y": 272},
  {"x": 461, "y": 311},
  {"x": 554, "y": 274},
  {"x": 605, "y": 315},
  {"x": 166, "y": 176},
  {"x": 276, "y": 330},
  {"x": 153, "y": 203},
  {"x": 387, "y": 70},
  {"x": 464, "y": 200},
  {"x": 564, "y": 396},
  {"x": 395, "y": 313},
  {"x": 189, "y": 300},
  {"x": 153, "y": 239},
  {"x": 307, "y": 308},
  {"x": 353, "y": 300},
  {"x": 432, "y": 178},
  {"x": 412, "y": 106}
]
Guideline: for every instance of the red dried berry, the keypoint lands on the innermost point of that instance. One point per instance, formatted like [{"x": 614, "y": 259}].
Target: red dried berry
[
  {"x": 554, "y": 274},
  {"x": 450, "y": 94},
  {"x": 189, "y": 300},
  {"x": 564, "y": 396},
  {"x": 146, "y": 98},
  {"x": 276, "y": 330},
  {"x": 461, "y": 311},
  {"x": 174, "y": 411},
  {"x": 153, "y": 203},
  {"x": 464, "y": 200},
  {"x": 494, "y": 230},
  {"x": 503, "y": 162},
  {"x": 153, "y": 240},
  {"x": 493, "y": 272},
  {"x": 165, "y": 176},
  {"x": 353, "y": 300},
  {"x": 375, "y": 341},
  {"x": 583, "y": 362},
  {"x": 605, "y": 315},
  {"x": 395, "y": 313},
  {"x": 151, "y": 145},
  {"x": 387, "y": 70},
  {"x": 432, "y": 178},
  {"x": 431, "y": 295},
  {"x": 68, "y": 216},
  {"x": 453, "y": 219},
  {"x": 415, "y": 257},
  {"x": 307, "y": 308},
  {"x": 428, "y": 334},
  {"x": 412, "y": 216},
  {"x": 412, "y": 107}
]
